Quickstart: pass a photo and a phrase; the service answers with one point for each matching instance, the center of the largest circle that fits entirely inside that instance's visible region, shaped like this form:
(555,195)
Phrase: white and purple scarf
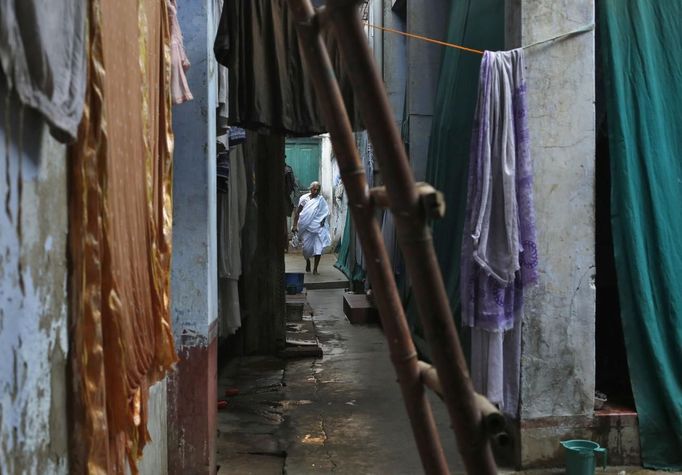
(499,249)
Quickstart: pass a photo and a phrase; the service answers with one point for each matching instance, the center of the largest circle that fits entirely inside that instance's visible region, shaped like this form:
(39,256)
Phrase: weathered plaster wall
(427,18)
(191,387)
(33,274)
(194,272)
(558,359)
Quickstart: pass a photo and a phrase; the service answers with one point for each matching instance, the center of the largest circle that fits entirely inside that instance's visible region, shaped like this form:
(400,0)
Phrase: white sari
(312,234)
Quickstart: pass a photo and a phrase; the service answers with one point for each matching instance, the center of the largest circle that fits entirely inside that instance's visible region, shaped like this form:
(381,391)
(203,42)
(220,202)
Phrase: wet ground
(341,413)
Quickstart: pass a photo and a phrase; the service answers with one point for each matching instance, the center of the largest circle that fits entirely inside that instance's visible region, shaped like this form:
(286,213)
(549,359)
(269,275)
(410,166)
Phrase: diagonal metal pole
(401,346)
(414,238)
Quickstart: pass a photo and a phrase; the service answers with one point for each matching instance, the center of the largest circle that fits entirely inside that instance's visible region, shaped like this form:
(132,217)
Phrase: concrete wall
(33,301)
(191,388)
(194,281)
(155,458)
(427,18)
(558,358)
(394,61)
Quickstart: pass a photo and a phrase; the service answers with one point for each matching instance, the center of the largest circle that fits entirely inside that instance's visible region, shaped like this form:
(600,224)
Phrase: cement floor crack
(321,420)
(323,428)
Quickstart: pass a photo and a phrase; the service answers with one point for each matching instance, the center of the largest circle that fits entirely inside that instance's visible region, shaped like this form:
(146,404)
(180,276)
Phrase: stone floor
(342,413)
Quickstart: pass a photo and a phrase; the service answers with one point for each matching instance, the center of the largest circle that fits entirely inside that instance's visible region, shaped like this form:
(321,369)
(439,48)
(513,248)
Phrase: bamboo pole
(414,238)
(401,347)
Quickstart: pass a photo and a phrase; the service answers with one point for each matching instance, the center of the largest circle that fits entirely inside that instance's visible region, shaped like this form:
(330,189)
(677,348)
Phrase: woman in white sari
(310,221)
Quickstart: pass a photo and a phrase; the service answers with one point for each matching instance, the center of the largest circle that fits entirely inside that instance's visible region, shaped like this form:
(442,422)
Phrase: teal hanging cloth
(641,43)
(346,261)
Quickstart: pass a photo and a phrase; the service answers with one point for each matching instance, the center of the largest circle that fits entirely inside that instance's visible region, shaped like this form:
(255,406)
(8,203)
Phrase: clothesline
(424,38)
(583,29)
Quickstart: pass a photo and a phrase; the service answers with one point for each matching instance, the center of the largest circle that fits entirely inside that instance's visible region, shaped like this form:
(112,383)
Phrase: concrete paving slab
(328,278)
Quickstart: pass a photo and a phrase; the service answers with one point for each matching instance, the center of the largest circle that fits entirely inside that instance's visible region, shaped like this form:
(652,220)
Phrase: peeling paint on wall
(33,317)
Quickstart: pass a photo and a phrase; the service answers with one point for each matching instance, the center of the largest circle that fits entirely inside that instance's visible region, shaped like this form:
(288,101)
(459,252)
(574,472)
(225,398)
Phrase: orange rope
(424,38)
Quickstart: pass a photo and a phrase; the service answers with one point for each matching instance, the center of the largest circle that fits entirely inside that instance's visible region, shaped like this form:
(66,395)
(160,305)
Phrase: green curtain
(480,25)
(641,44)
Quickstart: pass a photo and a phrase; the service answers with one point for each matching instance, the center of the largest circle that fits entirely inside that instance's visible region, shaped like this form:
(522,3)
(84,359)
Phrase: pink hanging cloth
(179,63)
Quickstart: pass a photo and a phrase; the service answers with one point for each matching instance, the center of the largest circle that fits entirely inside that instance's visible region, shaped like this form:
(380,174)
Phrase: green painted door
(303,156)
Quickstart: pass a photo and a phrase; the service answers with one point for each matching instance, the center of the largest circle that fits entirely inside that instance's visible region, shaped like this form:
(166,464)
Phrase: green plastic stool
(580,458)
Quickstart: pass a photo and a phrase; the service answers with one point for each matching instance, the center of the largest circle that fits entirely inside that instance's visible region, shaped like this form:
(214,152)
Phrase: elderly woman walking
(310,221)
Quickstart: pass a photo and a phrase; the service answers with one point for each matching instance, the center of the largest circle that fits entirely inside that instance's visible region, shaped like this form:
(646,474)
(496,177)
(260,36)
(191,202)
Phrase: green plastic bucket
(580,456)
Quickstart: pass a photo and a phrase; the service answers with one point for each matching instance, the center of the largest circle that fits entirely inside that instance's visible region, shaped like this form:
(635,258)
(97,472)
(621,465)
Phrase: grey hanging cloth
(269,84)
(42,55)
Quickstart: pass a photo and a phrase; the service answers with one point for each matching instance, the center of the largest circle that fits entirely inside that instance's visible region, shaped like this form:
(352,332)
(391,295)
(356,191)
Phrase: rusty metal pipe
(401,347)
(414,238)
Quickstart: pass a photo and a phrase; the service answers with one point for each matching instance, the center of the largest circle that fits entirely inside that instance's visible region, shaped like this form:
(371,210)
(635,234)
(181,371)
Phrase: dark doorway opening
(612,374)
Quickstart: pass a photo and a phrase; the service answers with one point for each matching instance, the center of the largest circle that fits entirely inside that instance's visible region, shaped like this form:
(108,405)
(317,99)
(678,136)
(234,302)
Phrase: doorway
(303,156)
(612,372)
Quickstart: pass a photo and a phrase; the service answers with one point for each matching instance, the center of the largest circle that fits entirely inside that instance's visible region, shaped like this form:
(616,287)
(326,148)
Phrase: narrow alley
(340,236)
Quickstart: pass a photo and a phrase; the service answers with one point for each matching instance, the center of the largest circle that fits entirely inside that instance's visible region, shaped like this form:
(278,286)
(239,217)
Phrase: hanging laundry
(269,84)
(237,136)
(42,56)
(231,217)
(231,220)
(499,250)
(222,171)
(179,62)
(222,111)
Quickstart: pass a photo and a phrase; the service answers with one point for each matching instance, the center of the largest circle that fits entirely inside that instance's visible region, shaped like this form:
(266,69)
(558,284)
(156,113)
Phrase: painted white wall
(339,208)
(326,169)
(33,300)
(332,190)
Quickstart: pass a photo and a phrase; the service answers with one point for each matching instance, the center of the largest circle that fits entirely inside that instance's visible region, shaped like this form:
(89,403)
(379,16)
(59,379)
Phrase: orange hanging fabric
(120,215)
